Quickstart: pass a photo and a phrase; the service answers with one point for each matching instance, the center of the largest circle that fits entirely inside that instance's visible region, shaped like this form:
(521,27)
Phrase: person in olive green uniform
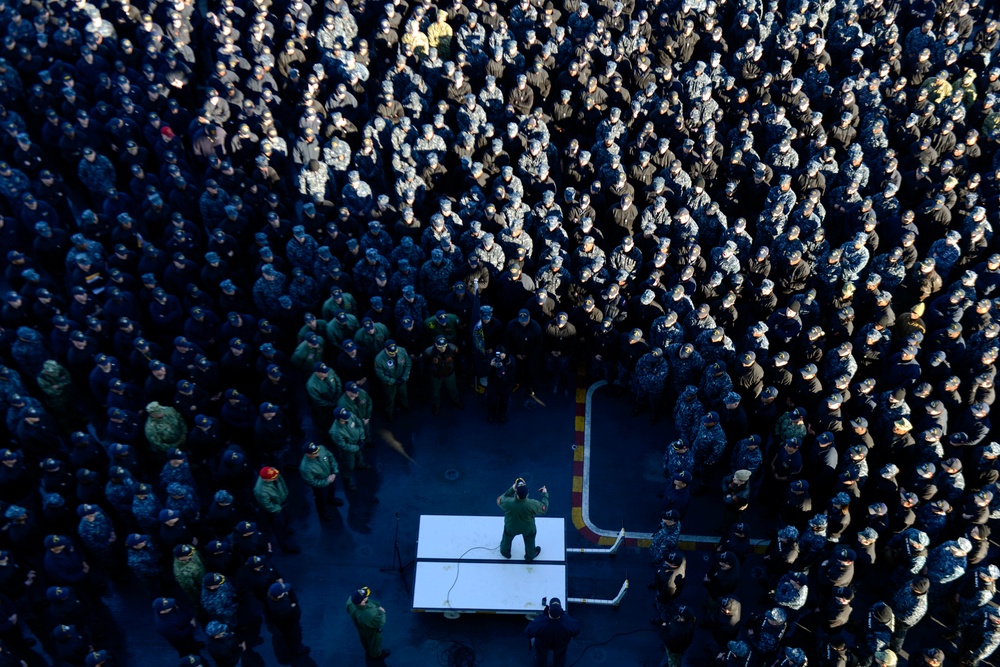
(189,570)
(348,434)
(372,336)
(342,326)
(60,396)
(519,514)
(338,301)
(442,358)
(165,428)
(319,470)
(308,353)
(271,494)
(323,388)
(392,367)
(443,324)
(358,402)
(311,326)
(369,619)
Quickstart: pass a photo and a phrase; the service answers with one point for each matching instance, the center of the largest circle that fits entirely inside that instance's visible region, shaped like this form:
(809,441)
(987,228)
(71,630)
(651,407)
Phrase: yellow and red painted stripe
(583,417)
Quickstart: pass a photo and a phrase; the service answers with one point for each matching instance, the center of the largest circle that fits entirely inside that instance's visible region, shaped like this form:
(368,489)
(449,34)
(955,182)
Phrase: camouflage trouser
(671,659)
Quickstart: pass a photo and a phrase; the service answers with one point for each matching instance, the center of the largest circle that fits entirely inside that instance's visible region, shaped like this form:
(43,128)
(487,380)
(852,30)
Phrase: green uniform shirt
(316,471)
(165,429)
(449,329)
(786,428)
(306,356)
(348,435)
(519,515)
(374,341)
(331,307)
(54,381)
(360,407)
(369,619)
(991,125)
(323,394)
(188,575)
(320,330)
(936,92)
(393,370)
(338,333)
(271,496)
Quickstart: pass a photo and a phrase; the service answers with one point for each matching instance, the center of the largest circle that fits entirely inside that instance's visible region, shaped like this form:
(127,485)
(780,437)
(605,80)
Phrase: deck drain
(451,474)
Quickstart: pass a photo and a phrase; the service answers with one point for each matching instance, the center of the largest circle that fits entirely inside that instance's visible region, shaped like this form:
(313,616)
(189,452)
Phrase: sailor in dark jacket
(175,625)
(677,633)
(552,631)
(283,613)
(669,583)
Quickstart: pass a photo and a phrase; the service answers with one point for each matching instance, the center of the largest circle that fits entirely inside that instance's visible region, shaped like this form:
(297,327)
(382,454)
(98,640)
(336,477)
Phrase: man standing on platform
(519,518)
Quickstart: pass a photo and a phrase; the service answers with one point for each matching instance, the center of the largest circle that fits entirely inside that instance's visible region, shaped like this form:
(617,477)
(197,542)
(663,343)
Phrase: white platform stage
(459,568)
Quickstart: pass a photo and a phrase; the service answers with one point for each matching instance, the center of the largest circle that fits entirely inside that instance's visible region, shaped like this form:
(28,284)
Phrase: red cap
(167,132)
(269,474)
